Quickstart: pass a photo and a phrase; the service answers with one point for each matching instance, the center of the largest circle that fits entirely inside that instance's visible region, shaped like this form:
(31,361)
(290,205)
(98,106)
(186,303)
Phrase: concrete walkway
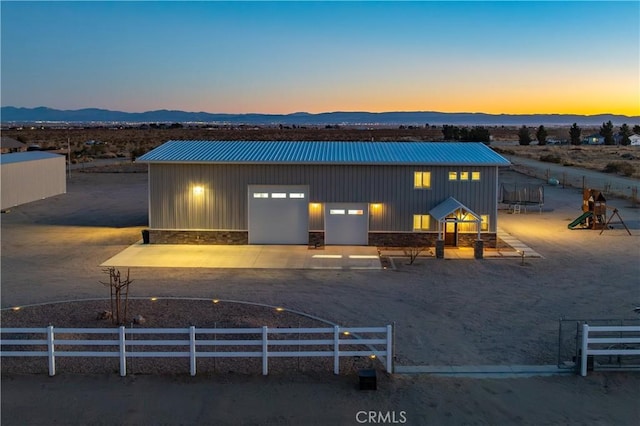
(246,257)
(517,245)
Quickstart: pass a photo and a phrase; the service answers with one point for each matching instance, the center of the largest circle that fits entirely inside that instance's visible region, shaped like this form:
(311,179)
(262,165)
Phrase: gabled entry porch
(449,214)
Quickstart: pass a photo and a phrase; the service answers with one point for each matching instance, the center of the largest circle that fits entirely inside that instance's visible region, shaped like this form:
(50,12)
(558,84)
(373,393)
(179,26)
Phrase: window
(484,227)
(422,180)
(464,175)
(260,195)
(421,222)
(296,195)
(472,227)
(453,175)
(278,195)
(475,175)
(336,211)
(356,212)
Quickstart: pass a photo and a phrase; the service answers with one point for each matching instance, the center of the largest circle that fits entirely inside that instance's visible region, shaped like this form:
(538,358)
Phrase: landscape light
(198,190)
(279,309)
(215,300)
(16,308)
(372,356)
(153,299)
(346,333)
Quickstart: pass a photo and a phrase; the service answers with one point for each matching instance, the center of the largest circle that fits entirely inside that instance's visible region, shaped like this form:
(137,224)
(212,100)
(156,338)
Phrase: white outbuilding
(30,176)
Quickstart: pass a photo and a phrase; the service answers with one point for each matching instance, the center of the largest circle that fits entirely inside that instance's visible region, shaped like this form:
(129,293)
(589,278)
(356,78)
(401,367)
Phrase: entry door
(278,214)
(451,233)
(346,224)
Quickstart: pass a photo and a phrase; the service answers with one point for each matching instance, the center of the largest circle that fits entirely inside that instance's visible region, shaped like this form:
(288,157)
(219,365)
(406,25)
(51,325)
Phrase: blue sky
(283,57)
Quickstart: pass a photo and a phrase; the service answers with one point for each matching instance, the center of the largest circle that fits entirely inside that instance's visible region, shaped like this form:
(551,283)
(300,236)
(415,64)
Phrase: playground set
(594,212)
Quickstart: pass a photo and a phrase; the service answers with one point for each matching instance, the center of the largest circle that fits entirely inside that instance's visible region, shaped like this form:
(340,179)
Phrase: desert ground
(446,312)
(125,142)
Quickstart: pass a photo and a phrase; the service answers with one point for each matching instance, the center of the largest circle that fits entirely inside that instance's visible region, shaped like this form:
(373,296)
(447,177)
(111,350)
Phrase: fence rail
(626,343)
(202,343)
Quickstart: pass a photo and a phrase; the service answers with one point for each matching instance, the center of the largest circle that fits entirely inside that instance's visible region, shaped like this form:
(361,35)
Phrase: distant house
(635,140)
(11,145)
(31,176)
(594,139)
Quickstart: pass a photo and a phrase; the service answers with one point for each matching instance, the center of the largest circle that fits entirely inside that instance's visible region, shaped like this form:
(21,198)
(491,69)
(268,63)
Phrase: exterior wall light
(198,190)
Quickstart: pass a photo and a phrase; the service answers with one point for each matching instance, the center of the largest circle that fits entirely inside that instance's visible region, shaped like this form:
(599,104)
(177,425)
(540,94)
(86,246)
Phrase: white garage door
(346,224)
(278,214)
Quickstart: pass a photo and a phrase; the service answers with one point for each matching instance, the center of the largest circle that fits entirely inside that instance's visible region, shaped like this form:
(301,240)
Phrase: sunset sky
(284,57)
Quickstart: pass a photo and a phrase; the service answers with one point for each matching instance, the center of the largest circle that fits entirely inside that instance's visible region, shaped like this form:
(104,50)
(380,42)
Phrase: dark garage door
(346,224)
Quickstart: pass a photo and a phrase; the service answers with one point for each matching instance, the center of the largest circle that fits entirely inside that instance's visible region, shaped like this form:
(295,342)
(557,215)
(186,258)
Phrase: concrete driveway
(246,256)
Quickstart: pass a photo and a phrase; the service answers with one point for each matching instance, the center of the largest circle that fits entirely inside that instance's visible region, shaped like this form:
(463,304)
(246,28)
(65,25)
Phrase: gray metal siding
(224,202)
(27,181)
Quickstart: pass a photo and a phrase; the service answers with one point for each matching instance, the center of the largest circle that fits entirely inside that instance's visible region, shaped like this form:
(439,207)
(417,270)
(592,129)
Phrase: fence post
(51,350)
(265,356)
(583,355)
(192,349)
(336,350)
(123,359)
(389,349)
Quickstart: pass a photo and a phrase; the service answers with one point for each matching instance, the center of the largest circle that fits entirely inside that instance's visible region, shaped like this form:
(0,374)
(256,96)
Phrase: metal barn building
(31,176)
(333,193)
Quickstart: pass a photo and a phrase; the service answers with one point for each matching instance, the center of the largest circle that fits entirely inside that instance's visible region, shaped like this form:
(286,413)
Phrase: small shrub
(620,167)
(551,158)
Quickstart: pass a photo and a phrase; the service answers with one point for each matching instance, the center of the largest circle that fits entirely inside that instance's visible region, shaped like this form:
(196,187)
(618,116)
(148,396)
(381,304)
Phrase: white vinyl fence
(627,342)
(194,343)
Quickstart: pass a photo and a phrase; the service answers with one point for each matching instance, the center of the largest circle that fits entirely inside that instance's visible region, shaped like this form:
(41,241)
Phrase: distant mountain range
(10,114)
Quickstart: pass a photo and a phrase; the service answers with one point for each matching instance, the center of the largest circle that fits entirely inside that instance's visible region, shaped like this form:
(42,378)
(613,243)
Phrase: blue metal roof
(19,157)
(323,152)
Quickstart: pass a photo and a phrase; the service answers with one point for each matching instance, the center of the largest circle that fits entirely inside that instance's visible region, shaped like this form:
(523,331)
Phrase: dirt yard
(622,160)
(447,312)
